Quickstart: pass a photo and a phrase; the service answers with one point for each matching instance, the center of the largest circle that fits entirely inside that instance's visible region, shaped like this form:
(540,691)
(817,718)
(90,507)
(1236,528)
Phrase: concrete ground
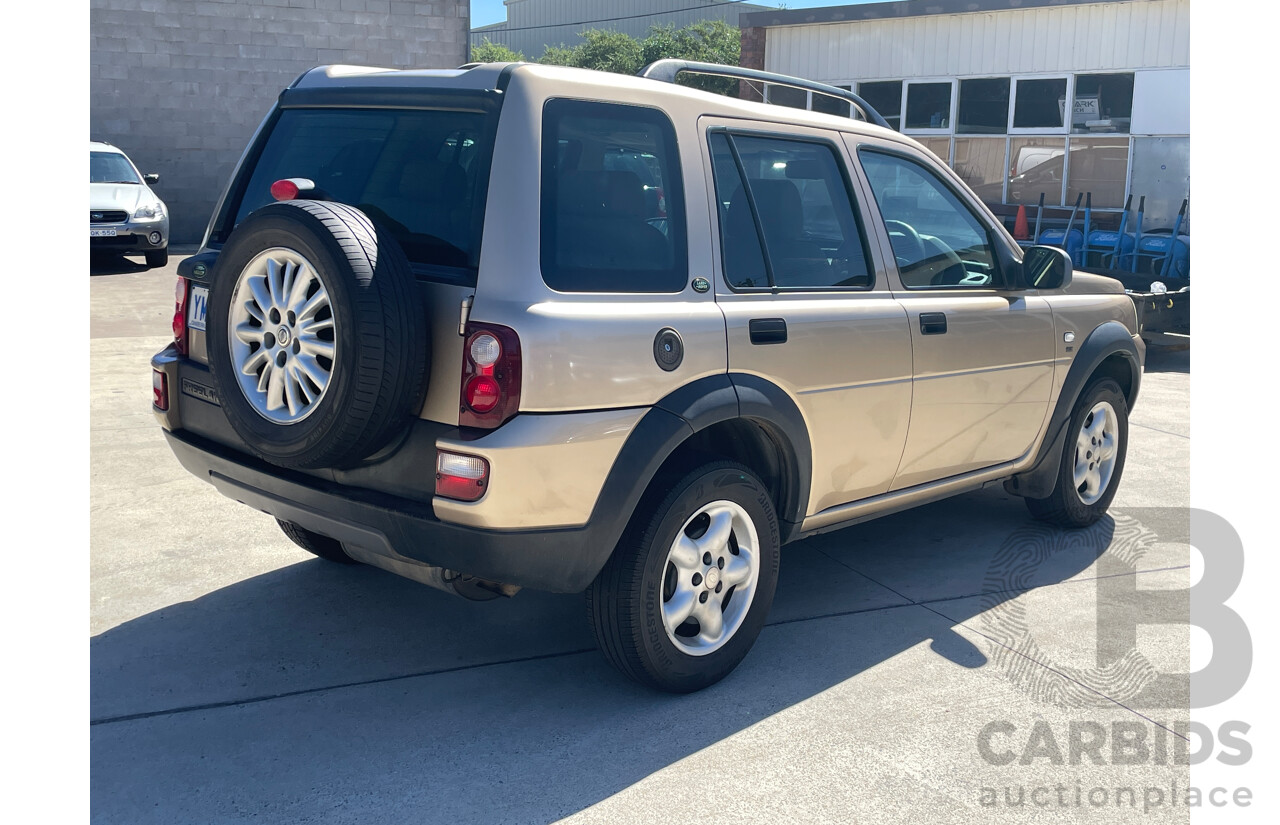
(236,678)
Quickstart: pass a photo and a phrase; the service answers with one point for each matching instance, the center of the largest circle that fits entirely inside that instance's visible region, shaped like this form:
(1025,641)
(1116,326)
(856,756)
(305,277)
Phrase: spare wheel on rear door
(317,336)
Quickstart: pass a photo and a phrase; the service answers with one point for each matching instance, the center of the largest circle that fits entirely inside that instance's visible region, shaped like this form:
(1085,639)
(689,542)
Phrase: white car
(125,216)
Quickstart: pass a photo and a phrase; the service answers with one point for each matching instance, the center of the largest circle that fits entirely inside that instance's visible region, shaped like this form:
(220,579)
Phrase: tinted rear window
(421,174)
(612,200)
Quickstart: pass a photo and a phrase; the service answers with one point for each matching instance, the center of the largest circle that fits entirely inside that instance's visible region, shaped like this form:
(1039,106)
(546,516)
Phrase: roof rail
(667,70)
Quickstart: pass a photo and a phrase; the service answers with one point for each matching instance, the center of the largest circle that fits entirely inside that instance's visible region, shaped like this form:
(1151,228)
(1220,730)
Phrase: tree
(490,52)
(708,41)
(609,51)
(559,56)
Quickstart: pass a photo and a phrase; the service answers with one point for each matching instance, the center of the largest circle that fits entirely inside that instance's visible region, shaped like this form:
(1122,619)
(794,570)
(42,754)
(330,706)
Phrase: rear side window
(422,174)
(612,200)
(797,196)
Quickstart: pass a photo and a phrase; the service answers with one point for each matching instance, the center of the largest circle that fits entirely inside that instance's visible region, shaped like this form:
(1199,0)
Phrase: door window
(936,238)
(795,194)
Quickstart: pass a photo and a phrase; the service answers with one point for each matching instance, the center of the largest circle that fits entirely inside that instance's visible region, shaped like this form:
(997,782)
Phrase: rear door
(983,353)
(806,300)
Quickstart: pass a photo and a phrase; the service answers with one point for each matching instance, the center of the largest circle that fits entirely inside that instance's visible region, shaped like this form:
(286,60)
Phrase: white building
(533,25)
(1019,96)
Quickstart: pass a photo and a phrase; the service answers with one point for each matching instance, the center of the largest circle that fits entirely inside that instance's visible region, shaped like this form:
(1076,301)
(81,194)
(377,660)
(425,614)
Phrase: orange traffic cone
(1020,230)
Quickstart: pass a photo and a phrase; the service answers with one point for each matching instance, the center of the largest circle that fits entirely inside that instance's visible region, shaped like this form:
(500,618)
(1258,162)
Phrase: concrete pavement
(235,678)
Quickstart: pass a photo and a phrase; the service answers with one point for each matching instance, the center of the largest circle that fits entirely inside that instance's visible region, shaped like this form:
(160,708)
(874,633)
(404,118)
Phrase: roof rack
(667,70)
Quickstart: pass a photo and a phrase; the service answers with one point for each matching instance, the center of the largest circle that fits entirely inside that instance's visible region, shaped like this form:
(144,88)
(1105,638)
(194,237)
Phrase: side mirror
(151,178)
(1045,267)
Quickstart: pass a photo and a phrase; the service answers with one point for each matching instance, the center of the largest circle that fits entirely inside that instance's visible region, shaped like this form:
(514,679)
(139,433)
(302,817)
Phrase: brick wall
(180,85)
(752,58)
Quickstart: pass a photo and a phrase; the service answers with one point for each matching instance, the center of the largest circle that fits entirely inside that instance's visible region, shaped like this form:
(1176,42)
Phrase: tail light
(180,316)
(159,390)
(462,477)
(490,376)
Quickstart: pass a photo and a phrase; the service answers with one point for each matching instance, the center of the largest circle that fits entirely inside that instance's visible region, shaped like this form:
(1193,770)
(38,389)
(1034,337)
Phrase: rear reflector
(180,315)
(461,477)
(159,390)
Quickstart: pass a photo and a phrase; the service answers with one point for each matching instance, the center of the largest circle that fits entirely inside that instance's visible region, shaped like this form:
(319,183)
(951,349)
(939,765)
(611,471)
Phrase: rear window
(612,201)
(421,174)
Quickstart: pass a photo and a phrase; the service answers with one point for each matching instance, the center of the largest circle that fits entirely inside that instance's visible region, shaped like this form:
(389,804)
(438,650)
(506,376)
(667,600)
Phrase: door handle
(933,323)
(768,330)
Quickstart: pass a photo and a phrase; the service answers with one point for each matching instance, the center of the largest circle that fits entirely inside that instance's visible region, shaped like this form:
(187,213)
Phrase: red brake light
(284,190)
(180,315)
(483,393)
(490,376)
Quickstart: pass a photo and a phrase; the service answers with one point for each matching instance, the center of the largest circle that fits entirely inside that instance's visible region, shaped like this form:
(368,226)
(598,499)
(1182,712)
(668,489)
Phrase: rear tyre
(316,544)
(688,588)
(158,257)
(317,335)
(1092,459)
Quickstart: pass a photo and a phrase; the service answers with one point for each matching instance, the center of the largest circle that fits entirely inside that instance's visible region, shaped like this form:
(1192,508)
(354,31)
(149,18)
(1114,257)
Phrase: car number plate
(199,304)
(102,233)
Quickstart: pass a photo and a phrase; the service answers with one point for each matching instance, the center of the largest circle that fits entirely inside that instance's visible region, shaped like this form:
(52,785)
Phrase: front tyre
(1092,459)
(688,589)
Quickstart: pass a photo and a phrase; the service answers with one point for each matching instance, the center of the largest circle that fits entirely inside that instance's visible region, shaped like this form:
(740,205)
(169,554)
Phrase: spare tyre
(317,336)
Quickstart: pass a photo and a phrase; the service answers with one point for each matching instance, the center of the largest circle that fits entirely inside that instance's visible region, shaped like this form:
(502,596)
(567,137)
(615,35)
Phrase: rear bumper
(560,560)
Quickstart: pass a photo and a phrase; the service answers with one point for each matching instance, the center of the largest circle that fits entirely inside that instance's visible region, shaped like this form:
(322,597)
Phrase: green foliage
(609,51)
(490,52)
(559,56)
(710,41)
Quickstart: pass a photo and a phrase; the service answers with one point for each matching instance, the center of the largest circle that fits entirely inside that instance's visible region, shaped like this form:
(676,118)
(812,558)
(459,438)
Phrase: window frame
(1000,252)
(947,130)
(1042,131)
(675,170)
(846,175)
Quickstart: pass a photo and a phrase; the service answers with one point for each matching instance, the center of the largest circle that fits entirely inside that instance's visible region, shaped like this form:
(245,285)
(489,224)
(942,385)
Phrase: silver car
(125,216)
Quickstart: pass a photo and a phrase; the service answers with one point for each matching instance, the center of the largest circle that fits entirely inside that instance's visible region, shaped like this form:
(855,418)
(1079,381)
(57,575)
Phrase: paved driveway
(236,678)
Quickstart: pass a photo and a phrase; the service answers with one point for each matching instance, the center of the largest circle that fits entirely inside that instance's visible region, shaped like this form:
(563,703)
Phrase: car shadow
(114,265)
(1168,359)
(325,667)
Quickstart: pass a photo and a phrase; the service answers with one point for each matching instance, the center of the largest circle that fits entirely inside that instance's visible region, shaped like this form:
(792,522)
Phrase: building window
(980,163)
(787,96)
(832,105)
(1040,104)
(984,106)
(929,105)
(1103,103)
(939,146)
(1100,166)
(885,96)
(1035,167)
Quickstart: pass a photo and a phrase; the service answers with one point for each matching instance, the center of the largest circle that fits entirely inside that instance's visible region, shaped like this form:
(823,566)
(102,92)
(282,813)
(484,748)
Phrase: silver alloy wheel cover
(275,335)
(734,573)
(1097,447)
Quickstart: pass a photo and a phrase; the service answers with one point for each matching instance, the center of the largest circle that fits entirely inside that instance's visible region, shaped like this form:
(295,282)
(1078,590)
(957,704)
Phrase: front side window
(612,199)
(793,192)
(936,238)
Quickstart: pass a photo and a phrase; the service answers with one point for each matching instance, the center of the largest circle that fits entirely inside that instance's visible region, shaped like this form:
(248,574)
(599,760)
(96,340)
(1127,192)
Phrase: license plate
(102,233)
(199,304)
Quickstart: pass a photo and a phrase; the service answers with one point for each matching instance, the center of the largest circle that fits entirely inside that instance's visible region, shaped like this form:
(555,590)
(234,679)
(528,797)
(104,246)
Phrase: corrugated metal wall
(545,21)
(1141,34)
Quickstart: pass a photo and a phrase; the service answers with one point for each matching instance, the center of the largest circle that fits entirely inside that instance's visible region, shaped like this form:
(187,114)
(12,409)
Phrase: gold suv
(530,326)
